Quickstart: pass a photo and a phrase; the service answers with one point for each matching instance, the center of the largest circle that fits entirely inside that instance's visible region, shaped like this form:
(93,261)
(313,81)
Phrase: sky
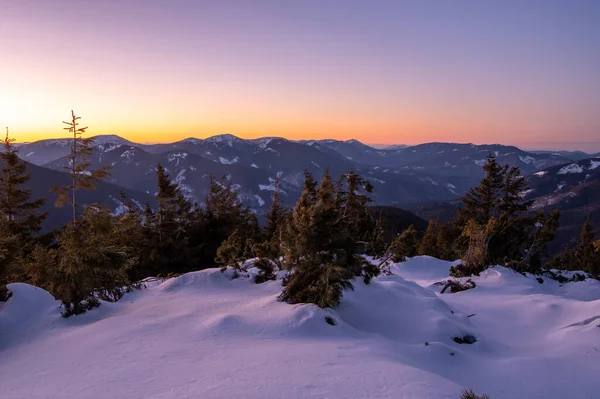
(512,72)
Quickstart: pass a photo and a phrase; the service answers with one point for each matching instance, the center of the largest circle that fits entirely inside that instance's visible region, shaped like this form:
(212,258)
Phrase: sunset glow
(380,72)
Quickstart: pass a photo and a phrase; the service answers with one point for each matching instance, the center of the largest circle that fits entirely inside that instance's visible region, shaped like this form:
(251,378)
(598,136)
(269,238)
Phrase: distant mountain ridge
(425,172)
(420,174)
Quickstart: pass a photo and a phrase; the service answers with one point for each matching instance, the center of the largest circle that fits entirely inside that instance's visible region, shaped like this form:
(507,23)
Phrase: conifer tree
(275,214)
(480,202)
(223,212)
(476,258)
(89,263)
(435,242)
(377,243)
(586,257)
(405,245)
(316,258)
(168,229)
(269,250)
(544,231)
(239,246)
(513,186)
(355,222)
(82,177)
(20,219)
(132,233)
(17,211)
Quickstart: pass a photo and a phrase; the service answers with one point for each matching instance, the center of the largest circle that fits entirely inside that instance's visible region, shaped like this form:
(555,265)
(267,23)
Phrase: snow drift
(203,335)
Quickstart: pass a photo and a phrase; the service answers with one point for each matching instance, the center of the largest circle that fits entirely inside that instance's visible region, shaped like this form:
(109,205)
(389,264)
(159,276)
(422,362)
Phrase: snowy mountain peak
(226,139)
(192,140)
(110,139)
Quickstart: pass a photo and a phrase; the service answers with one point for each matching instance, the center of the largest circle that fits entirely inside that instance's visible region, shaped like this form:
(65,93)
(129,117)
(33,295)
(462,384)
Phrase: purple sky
(515,72)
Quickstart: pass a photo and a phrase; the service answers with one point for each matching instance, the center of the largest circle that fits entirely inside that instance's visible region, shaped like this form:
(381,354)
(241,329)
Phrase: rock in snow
(203,335)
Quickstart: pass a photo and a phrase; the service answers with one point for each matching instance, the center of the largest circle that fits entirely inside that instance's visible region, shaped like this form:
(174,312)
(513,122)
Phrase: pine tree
(133,235)
(16,210)
(89,263)
(223,212)
(316,258)
(437,241)
(543,231)
(355,222)
(269,250)
(275,214)
(377,242)
(20,219)
(405,245)
(167,229)
(239,246)
(480,202)
(296,237)
(82,177)
(513,186)
(476,258)
(586,256)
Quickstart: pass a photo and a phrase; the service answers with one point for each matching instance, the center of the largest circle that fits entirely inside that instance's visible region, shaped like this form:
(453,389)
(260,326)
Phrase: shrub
(470,394)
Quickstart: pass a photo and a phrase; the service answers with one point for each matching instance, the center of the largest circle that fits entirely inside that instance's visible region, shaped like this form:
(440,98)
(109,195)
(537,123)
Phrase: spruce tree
(377,242)
(479,203)
(512,188)
(269,251)
(586,257)
(239,246)
(405,245)
(91,261)
(20,219)
(543,231)
(223,212)
(132,234)
(17,211)
(82,177)
(275,214)
(355,222)
(438,241)
(168,229)
(312,250)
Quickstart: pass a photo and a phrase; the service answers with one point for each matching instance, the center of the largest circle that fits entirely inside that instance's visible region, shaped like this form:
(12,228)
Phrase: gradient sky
(521,72)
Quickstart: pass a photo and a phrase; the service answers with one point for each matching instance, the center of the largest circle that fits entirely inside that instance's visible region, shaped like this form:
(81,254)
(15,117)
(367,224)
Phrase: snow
(254,165)
(540,173)
(107,147)
(227,139)
(193,141)
(594,164)
(128,155)
(177,157)
(572,168)
(261,201)
(202,335)
(30,154)
(226,161)
(479,162)
(270,187)
(187,191)
(526,159)
(263,142)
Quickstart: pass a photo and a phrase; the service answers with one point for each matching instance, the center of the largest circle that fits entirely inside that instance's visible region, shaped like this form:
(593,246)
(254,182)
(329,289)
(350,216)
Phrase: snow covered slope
(202,335)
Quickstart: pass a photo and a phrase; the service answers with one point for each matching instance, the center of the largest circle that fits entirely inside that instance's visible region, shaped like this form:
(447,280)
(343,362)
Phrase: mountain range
(426,178)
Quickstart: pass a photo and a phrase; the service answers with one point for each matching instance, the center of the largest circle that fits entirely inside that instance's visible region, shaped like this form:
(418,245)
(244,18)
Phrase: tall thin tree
(79,166)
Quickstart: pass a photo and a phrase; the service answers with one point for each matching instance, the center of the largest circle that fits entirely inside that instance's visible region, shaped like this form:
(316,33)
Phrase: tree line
(319,243)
